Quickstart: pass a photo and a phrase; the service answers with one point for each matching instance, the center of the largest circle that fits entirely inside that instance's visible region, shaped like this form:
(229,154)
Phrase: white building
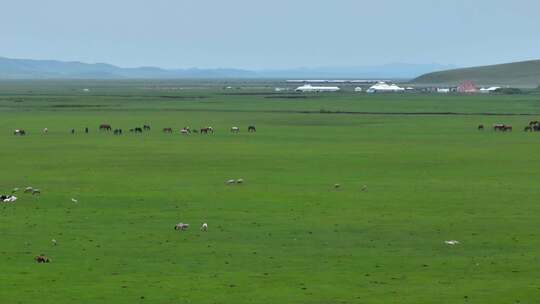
(489,90)
(309,88)
(383,87)
(443,90)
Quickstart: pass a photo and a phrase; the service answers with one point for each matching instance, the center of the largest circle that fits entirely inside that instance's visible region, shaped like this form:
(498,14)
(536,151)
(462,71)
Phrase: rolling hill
(53,69)
(518,74)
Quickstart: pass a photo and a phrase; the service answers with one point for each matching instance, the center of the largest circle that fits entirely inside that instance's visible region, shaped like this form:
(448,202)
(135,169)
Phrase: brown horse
(167,130)
(499,127)
(42,259)
(207,130)
(105,127)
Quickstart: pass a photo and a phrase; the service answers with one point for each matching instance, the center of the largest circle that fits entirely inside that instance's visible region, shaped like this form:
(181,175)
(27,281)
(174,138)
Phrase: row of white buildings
(379,87)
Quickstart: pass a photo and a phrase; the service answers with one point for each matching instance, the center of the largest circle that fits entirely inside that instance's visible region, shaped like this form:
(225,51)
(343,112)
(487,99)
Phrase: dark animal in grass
(252,129)
(19,132)
(72,131)
(507,128)
(167,130)
(138,130)
(528,129)
(117,132)
(86,130)
(146,127)
(105,127)
(480,127)
(42,259)
(205,131)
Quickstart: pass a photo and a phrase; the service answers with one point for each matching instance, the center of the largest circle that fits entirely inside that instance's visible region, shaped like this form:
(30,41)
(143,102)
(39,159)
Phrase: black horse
(252,129)
(146,127)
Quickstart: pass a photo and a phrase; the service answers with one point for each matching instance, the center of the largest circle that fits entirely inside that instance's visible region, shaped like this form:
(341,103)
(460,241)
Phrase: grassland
(285,236)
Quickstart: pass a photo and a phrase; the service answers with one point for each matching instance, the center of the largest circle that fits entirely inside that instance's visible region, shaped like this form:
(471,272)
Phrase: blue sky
(258,34)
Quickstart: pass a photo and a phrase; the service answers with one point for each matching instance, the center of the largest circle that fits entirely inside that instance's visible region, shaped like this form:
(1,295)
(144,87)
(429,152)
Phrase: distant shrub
(509,91)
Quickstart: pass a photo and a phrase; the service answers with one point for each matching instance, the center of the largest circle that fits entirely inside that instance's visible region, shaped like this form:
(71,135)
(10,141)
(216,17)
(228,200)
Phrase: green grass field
(286,235)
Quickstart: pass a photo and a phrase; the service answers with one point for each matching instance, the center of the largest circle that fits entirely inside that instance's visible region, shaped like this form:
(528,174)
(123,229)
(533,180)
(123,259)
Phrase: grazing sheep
(204,227)
(8,198)
(181,226)
(231,182)
(451,242)
(36,191)
(240,181)
(28,189)
(54,242)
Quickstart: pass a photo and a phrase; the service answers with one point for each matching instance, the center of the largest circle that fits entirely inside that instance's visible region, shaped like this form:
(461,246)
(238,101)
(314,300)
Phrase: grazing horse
(181,227)
(19,132)
(138,130)
(252,129)
(207,130)
(117,132)
(42,259)
(167,130)
(480,127)
(146,127)
(185,131)
(235,129)
(507,128)
(105,127)
(528,129)
(499,127)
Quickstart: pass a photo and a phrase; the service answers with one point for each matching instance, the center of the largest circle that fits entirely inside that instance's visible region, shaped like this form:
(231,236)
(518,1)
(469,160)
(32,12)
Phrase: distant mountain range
(53,69)
(518,74)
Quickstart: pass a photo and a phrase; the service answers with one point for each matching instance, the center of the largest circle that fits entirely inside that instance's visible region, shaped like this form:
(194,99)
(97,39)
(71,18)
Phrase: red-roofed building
(467,87)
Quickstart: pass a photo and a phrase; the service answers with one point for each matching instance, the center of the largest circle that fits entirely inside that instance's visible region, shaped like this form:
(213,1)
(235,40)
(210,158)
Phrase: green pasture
(286,235)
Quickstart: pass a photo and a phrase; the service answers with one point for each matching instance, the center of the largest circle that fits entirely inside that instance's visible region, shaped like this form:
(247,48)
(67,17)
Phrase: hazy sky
(271,34)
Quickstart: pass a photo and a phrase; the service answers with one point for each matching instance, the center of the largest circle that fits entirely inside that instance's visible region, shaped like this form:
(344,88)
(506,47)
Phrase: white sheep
(451,242)
(204,227)
(231,182)
(240,181)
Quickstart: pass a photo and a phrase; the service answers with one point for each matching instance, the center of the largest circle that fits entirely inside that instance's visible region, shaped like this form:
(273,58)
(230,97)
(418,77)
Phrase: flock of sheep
(11,198)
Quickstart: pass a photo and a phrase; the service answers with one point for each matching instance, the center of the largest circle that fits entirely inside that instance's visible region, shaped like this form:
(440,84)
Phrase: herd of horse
(139,130)
(533,126)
